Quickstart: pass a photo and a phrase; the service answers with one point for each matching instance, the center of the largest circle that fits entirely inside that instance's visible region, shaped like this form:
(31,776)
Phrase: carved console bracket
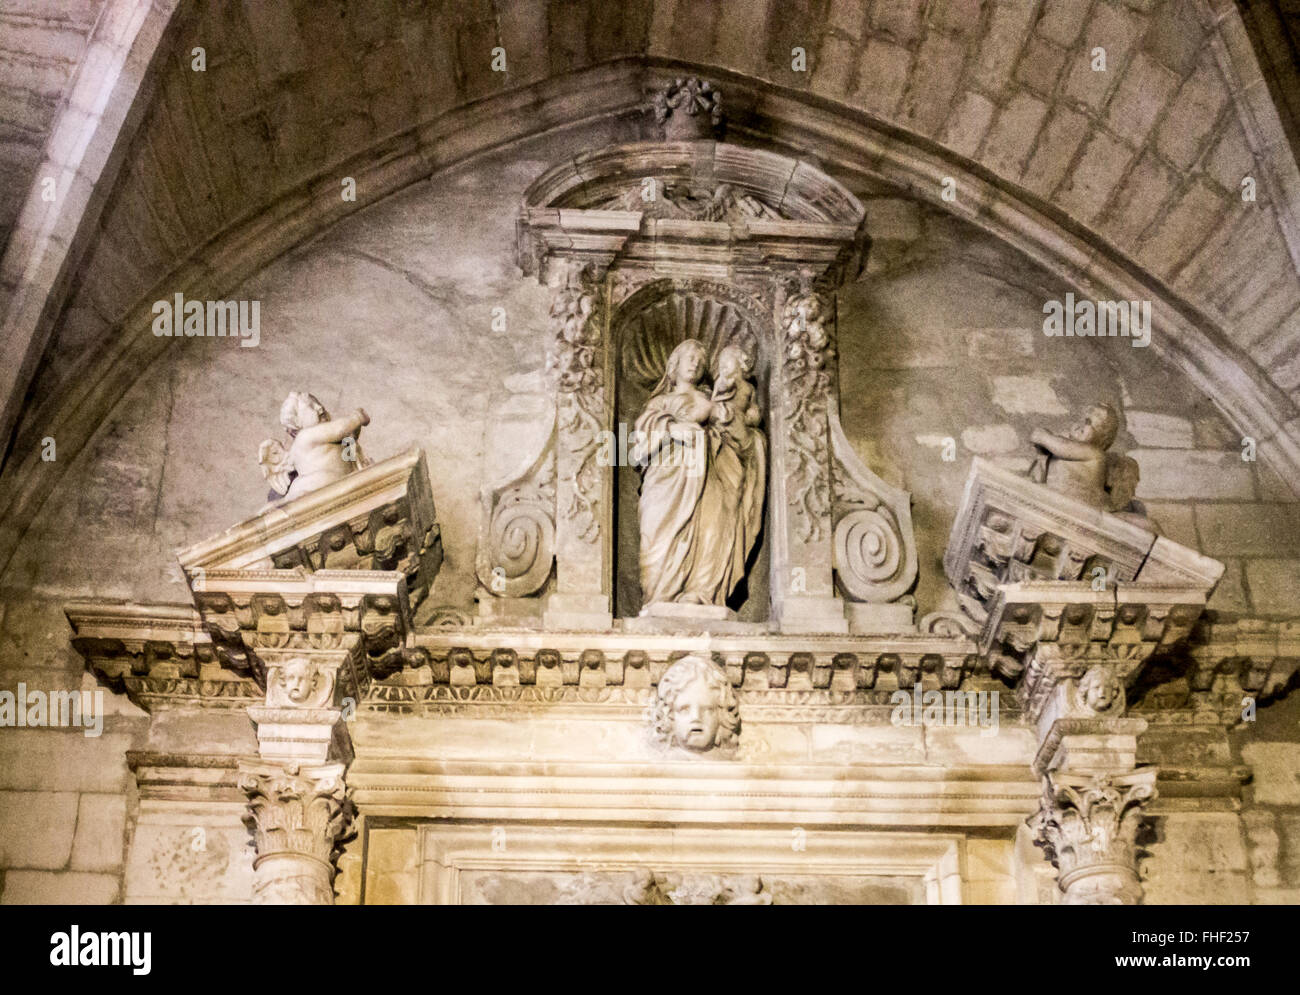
(259,618)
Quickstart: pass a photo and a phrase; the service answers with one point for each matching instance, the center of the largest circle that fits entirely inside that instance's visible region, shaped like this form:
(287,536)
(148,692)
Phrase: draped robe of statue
(730,514)
(674,480)
(702,494)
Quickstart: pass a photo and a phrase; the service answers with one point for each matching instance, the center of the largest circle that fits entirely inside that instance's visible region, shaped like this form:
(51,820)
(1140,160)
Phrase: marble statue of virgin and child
(704,464)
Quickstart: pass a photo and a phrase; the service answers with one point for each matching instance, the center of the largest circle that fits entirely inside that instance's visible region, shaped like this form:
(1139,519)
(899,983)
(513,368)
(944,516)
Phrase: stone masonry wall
(391,310)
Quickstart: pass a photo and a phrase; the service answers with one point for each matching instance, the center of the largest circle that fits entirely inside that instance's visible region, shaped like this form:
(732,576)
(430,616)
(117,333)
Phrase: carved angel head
(734,363)
(298,680)
(1099,427)
(695,706)
(1101,690)
(301,410)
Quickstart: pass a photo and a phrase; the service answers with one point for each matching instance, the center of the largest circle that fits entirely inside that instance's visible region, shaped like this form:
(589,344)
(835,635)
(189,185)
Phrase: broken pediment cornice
(157,654)
(678,205)
(380,518)
(1010,529)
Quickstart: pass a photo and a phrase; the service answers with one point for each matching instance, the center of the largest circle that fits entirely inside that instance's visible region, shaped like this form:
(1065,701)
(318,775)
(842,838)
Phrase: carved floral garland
(576,362)
(808,352)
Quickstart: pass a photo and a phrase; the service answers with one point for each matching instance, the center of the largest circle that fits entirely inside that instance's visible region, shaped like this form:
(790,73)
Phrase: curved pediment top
(696,181)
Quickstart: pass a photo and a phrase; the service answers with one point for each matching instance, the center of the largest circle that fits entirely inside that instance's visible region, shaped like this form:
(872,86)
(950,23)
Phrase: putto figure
(320,451)
(695,707)
(1079,465)
(1076,463)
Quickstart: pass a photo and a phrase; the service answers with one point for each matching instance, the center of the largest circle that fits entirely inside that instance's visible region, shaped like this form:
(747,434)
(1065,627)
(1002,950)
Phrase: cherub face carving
(1099,427)
(695,707)
(1101,691)
(695,715)
(298,680)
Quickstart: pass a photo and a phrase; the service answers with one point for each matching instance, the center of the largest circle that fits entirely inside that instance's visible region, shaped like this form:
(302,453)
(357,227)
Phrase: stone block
(1150,428)
(59,888)
(1276,770)
(1059,142)
(985,440)
(1096,175)
(882,77)
(1175,521)
(1013,134)
(1192,115)
(101,828)
(968,123)
(55,760)
(1114,29)
(1040,66)
(36,828)
(1230,595)
(189,853)
(1274,585)
(1249,529)
(933,84)
(1027,395)
(1062,20)
(1143,93)
(898,19)
(1197,213)
(1139,200)
(1009,25)
(1193,473)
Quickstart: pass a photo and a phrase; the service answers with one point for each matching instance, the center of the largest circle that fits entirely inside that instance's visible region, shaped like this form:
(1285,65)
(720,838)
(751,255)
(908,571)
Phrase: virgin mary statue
(704,464)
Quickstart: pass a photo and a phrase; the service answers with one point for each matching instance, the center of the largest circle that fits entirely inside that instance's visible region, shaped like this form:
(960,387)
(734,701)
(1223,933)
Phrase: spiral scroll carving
(867,551)
(522,541)
(517,534)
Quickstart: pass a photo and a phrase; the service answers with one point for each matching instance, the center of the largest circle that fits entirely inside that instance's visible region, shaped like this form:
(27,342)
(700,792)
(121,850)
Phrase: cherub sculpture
(320,450)
(1078,464)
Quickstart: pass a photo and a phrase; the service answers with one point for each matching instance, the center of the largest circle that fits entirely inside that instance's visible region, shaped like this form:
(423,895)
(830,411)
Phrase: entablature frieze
(162,656)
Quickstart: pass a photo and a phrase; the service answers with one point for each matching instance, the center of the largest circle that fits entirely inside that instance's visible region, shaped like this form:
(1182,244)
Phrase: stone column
(298,815)
(803,591)
(298,809)
(1088,825)
(1094,795)
(579,364)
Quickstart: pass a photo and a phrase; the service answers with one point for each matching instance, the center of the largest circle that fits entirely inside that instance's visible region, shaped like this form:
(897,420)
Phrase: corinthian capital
(298,817)
(1088,825)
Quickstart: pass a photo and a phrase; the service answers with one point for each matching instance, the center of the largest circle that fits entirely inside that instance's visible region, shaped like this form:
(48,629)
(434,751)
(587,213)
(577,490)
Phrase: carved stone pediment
(1010,529)
(379,518)
(673,207)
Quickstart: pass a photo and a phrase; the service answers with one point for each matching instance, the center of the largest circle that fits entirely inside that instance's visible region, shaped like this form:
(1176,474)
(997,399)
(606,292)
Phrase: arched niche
(645,329)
